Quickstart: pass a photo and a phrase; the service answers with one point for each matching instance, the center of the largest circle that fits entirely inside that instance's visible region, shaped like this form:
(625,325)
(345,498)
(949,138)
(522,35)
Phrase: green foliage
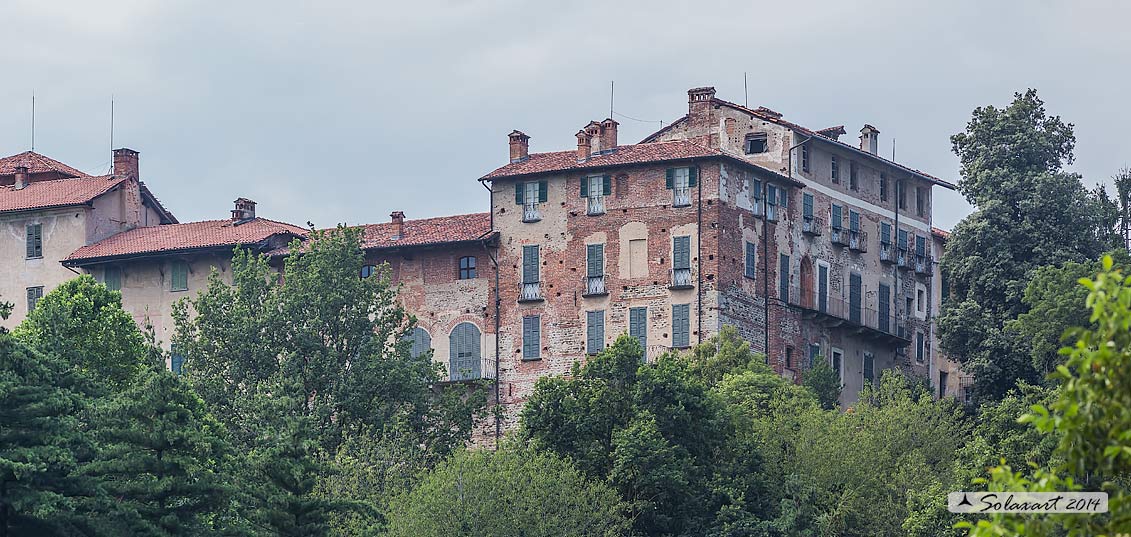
(83,324)
(824,382)
(509,492)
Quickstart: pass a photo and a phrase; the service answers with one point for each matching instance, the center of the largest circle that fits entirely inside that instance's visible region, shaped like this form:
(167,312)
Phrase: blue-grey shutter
(543,191)
(112,278)
(606,185)
(530,264)
(758,189)
(807,205)
(822,288)
(638,326)
(519,191)
(531,337)
(692,176)
(671,178)
(771,194)
(176,359)
(34,233)
(681,252)
(884,308)
(837,217)
(885,233)
(595,260)
(854,298)
(594,331)
(854,220)
(920,246)
(902,239)
(421,342)
(179,279)
(783,197)
(783,277)
(869,366)
(465,352)
(681,325)
(751,260)
(585,187)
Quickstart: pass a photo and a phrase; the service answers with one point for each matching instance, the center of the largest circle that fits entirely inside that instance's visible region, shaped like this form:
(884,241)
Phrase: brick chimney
(245,210)
(583,145)
(21,178)
(593,129)
(520,146)
(608,135)
(699,98)
(398,224)
(125,163)
(870,139)
(701,117)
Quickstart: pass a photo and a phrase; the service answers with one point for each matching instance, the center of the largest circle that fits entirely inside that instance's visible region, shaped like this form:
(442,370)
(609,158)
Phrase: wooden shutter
(34,235)
(885,233)
(854,296)
(783,277)
(179,279)
(543,191)
(902,239)
(783,197)
(681,325)
(681,252)
(822,288)
(607,185)
(585,187)
(638,326)
(594,331)
(530,264)
(465,352)
(595,260)
(771,194)
(692,176)
(807,205)
(854,220)
(869,366)
(531,337)
(920,246)
(671,178)
(519,190)
(884,308)
(758,189)
(751,259)
(837,217)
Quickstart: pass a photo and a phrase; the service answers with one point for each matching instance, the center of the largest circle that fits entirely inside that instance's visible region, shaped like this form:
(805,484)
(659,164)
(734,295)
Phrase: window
(638,326)
(883,308)
(814,353)
(837,363)
(531,337)
(531,287)
(920,202)
(852,183)
(883,187)
(595,269)
(920,246)
(885,233)
(855,298)
(902,234)
(869,368)
(807,205)
(467,268)
(421,342)
(368,270)
(34,240)
(920,301)
(789,357)
(176,360)
(771,202)
(920,347)
(681,261)
(822,287)
(942,384)
(805,158)
(756,189)
(33,296)
(680,181)
(681,325)
(755,143)
(899,193)
(853,221)
(529,195)
(179,276)
(594,331)
(465,353)
(834,170)
(837,216)
(112,277)
(751,260)
(783,277)
(595,188)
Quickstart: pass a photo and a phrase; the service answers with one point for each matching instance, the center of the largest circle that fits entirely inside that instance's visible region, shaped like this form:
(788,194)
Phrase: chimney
(608,135)
(520,146)
(699,98)
(125,163)
(583,141)
(593,129)
(21,177)
(870,139)
(245,210)
(398,224)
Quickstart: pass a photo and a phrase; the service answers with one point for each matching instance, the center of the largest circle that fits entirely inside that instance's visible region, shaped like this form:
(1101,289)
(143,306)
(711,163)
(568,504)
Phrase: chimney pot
(398,224)
(609,134)
(870,139)
(125,163)
(21,178)
(245,210)
(583,144)
(520,146)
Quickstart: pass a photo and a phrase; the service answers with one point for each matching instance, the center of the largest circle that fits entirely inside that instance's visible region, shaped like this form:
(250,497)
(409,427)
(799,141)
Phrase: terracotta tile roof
(940,233)
(180,237)
(36,163)
(426,231)
(56,193)
(623,155)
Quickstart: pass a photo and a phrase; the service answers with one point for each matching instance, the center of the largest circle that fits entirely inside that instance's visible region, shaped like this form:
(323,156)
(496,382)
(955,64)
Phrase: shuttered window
(682,177)
(869,367)
(837,217)
(852,175)
(883,187)
(920,246)
(920,347)
(783,277)
(884,308)
(814,353)
(466,360)
(33,296)
(855,294)
(807,205)
(853,220)
(771,194)
(34,240)
(681,325)
(835,170)
(885,233)
(783,197)
(902,234)
(596,185)
(112,277)
(176,360)
(531,192)
(822,288)
(530,264)
(595,260)
(421,342)
(638,326)
(594,331)
(751,260)
(681,252)
(179,276)
(531,337)
(757,190)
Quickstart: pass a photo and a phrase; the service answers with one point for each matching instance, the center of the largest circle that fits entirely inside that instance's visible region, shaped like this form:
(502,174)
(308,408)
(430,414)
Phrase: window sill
(178,290)
(33,258)
(595,214)
(681,287)
(594,295)
(531,300)
(531,359)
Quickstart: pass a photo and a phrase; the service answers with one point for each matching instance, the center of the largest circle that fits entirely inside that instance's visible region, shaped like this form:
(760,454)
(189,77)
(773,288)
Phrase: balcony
(594,286)
(923,264)
(530,213)
(595,206)
(887,255)
(680,279)
(838,236)
(757,207)
(863,322)
(902,258)
(468,369)
(812,225)
(858,240)
(772,213)
(530,292)
(681,196)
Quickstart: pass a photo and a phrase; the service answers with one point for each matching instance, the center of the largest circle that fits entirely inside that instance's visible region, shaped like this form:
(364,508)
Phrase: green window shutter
(179,279)
(885,233)
(807,205)
(421,342)
(681,325)
(530,264)
(607,185)
(681,252)
(112,278)
(783,277)
(837,217)
(783,197)
(585,187)
(771,194)
(34,235)
(594,331)
(595,259)
(751,260)
(883,309)
(531,337)
(671,178)
(543,191)
(692,176)
(30,238)
(638,326)
(854,297)
(758,189)
(902,234)
(920,246)
(854,220)
(519,188)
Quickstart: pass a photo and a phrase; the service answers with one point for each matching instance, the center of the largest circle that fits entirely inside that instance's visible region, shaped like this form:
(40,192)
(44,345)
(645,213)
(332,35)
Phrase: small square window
(34,240)
(33,296)
(368,270)
(467,268)
(755,143)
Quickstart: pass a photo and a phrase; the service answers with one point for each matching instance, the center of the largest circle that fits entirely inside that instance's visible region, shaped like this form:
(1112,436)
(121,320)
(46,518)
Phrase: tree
(824,382)
(83,324)
(1030,213)
(513,491)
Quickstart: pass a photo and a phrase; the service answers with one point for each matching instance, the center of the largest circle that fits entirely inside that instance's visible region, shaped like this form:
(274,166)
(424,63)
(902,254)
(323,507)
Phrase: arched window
(368,270)
(421,341)
(466,358)
(467,268)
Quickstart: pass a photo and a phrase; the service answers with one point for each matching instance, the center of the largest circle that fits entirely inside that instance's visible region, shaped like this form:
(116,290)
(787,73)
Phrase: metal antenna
(33,121)
(745,91)
(893,149)
(611,84)
(111,133)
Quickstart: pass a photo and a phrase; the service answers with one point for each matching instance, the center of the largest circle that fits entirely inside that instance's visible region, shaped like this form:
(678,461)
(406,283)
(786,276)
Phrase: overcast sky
(350,110)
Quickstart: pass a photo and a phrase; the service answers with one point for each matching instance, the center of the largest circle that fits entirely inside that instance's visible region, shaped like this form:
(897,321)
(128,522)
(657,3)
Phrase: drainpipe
(498,321)
(789,160)
(699,257)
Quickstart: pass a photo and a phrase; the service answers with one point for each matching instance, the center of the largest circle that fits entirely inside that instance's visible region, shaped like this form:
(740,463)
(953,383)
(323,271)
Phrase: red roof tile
(179,237)
(36,163)
(426,231)
(623,155)
(56,193)
(940,233)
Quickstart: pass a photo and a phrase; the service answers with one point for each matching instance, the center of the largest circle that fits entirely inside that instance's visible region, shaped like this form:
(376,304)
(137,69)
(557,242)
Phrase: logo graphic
(1027,502)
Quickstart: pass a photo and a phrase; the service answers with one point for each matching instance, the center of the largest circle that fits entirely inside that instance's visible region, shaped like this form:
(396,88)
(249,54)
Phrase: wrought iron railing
(838,236)
(681,196)
(595,285)
(463,371)
(680,278)
(530,212)
(923,264)
(596,205)
(858,240)
(529,291)
(887,254)
(812,225)
(880,320)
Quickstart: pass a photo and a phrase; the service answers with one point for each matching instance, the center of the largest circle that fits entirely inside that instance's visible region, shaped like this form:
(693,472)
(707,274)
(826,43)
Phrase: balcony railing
(923,264)
(595,286)
(812,225)
(902,258)
(838,236)
(757,207)
(681,279)
(858,240)
(596,205)
(530,212)
(887,254)
(530,292)
(468,369)
(772,213)
(839,310)
(681,196)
